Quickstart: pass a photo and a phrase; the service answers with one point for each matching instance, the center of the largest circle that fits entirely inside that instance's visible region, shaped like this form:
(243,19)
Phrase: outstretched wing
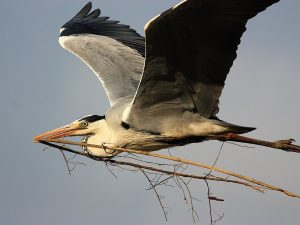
(189,51)
(114,51)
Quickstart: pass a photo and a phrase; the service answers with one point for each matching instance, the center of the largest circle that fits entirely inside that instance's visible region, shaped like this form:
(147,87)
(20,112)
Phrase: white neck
(102,135)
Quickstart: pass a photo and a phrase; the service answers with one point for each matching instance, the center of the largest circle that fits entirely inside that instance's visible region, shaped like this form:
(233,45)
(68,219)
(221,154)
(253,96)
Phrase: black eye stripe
(92,118)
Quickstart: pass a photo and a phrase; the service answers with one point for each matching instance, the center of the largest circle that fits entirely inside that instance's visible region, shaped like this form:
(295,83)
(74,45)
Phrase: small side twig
(157,195)
(189,162)
(217,158)
(66,161)
(209,202)
(190,200)
(149,168)
(160,179)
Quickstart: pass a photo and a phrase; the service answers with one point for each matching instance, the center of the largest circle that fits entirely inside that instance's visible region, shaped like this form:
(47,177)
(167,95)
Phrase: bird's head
(86,126)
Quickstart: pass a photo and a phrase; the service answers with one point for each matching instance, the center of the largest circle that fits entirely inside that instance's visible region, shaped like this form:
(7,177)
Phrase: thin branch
(157,195)
(217,158)
(220,217)
(66,161)
(239,145)
(217,179)
(189,175)
(109,170)
(209,202)
(191,200)
(162,182)
(47,142)
(176,159)
(160,174)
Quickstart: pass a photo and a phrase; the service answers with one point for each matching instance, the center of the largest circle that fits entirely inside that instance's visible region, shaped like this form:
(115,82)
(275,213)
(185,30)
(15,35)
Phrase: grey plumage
(190,77)
(171,97)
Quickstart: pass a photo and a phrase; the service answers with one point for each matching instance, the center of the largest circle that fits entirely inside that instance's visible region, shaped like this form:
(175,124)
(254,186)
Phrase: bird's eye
(84,124)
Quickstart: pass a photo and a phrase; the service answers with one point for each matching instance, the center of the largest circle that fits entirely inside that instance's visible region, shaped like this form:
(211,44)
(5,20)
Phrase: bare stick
(172,173)
(217,159)
(66,161)
(176,159)
(157,195)
(209,202)
(190,199)
(46,142)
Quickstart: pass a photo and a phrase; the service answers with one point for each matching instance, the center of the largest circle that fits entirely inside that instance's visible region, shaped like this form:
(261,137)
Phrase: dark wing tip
(94,14)
(84,11)
(84,15)
(87,22)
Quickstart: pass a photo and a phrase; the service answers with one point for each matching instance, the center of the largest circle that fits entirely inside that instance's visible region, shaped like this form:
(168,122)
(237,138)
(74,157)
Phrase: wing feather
(114,51)
(189,52)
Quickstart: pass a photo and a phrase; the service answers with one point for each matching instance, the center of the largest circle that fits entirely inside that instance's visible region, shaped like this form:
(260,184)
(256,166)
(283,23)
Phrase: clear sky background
(43,86)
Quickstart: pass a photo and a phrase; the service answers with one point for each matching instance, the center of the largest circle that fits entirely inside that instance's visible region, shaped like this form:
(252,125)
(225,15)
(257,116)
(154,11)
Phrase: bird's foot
(287,145)
(285,142)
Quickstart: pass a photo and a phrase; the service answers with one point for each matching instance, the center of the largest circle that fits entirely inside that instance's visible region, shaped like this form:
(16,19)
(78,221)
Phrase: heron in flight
(164,89)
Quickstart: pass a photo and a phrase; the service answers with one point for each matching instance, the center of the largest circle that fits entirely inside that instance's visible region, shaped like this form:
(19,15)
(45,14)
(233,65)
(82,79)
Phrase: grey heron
(164,89)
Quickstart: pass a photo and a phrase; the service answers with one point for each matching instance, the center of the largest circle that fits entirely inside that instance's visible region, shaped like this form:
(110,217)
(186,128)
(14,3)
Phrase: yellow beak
(68,130)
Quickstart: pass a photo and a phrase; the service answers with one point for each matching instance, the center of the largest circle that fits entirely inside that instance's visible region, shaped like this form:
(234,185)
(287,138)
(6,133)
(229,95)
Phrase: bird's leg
(285,145)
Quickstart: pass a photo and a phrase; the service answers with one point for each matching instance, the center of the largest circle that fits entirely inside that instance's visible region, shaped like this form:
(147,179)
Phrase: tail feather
(240,129)
(232,128)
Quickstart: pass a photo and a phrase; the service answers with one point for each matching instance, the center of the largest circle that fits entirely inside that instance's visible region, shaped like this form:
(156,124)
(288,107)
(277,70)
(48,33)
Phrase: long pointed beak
(60,132)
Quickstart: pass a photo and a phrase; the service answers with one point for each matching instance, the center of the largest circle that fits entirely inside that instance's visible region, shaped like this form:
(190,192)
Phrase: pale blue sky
(43,86)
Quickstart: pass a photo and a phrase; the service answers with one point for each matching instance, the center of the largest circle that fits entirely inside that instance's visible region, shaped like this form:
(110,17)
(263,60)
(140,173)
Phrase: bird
(163,88)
